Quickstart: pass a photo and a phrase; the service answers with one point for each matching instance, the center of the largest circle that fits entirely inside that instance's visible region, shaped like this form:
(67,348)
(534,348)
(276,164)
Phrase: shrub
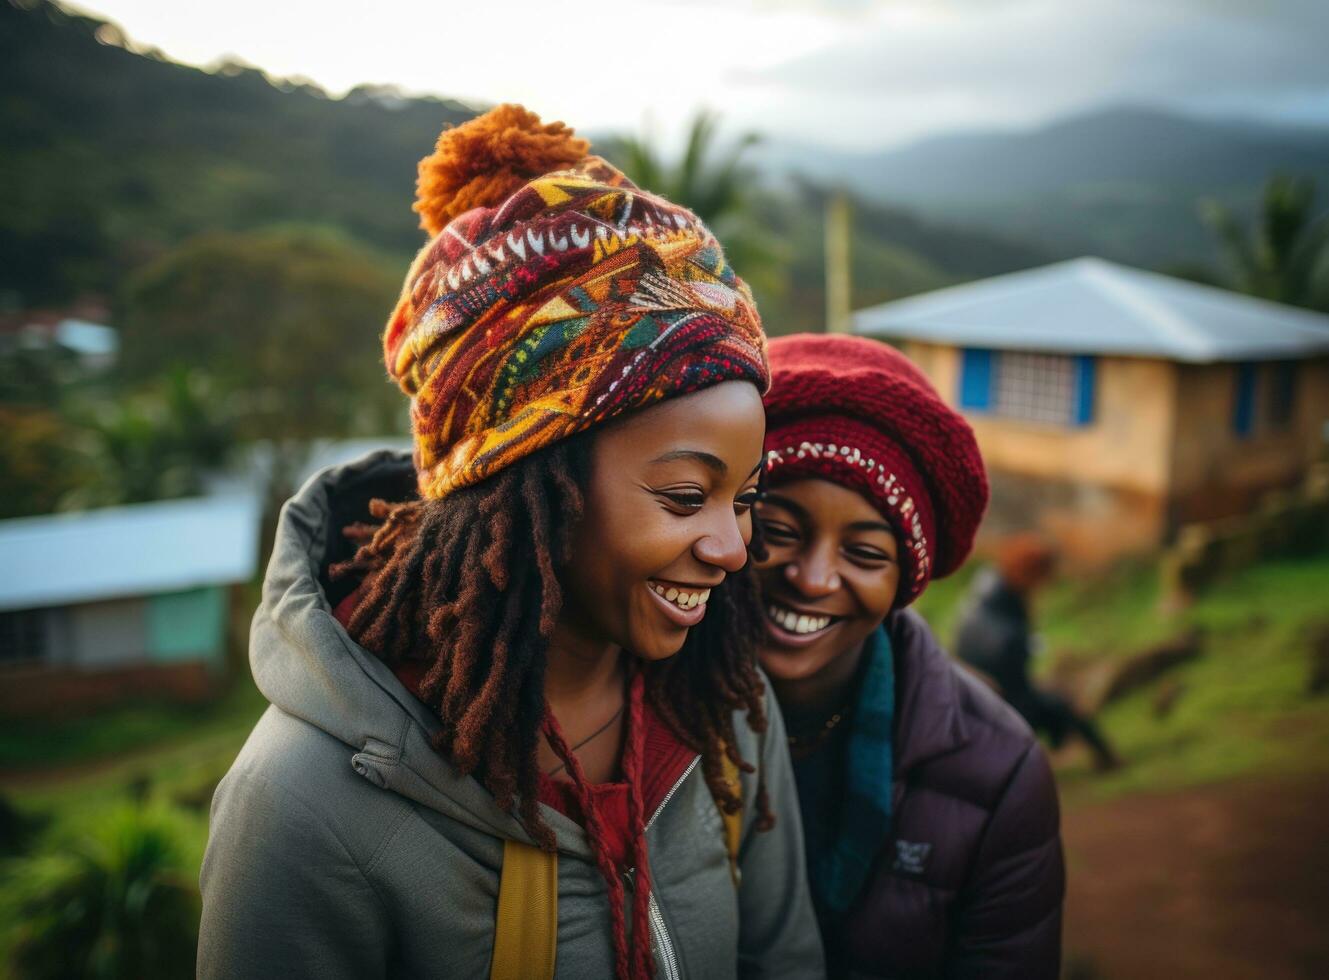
(114,903)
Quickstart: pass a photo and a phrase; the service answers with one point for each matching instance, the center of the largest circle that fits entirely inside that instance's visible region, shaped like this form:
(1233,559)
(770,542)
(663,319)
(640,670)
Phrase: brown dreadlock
(469,586)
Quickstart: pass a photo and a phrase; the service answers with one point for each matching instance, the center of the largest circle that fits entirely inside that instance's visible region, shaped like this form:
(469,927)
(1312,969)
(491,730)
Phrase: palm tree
(118,904)
(715,186)
(715,191)
(1282,256)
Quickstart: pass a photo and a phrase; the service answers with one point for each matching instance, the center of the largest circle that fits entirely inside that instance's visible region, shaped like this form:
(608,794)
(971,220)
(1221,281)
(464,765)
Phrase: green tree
(1282,256)
(39,375)
(287,321)
(70,439)
(713,183)
(115,904)
(39,462)
(155,443)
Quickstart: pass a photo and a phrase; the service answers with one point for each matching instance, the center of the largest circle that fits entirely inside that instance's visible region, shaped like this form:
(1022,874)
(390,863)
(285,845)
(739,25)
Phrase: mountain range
(1122,181)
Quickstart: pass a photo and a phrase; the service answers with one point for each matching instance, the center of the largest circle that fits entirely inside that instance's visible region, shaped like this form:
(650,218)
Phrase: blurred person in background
(995,636)
(517,724)
(930,811)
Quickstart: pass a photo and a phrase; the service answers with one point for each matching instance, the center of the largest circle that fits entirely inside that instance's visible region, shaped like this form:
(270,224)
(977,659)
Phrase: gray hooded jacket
(343,845)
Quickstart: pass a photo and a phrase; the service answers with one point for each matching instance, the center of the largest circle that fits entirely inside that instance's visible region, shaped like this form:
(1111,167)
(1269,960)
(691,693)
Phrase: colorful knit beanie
(554,295)
(859,413)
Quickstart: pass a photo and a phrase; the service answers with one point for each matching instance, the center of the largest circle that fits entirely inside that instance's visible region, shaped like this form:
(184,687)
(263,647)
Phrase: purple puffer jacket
(971,882)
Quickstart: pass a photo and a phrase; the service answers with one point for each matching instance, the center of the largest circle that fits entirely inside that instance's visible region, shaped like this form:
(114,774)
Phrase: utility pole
(838,310)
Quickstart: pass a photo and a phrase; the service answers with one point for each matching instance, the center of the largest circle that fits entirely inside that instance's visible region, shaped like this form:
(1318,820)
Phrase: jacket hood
(307,665)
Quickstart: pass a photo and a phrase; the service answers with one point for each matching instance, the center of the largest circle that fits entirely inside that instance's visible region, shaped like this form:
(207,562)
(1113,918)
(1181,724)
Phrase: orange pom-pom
(481,162)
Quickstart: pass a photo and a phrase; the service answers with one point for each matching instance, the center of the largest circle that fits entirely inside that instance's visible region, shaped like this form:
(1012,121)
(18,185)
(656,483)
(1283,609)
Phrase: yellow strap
(526,930)
(733,822)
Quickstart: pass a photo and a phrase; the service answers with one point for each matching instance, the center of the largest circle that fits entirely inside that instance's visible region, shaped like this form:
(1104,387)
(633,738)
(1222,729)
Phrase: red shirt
(664,760)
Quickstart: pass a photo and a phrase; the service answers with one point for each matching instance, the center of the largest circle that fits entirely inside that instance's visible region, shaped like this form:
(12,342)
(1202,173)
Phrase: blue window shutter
(976,379)
(1243,405)
(1085,367)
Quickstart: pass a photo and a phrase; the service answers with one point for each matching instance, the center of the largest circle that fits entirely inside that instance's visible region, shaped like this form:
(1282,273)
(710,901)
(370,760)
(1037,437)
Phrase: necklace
(591,737)
(805,742)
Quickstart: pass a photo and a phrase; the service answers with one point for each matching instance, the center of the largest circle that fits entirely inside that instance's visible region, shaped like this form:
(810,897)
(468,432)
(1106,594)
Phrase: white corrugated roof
(1092,306)
(142,549)
(86,337)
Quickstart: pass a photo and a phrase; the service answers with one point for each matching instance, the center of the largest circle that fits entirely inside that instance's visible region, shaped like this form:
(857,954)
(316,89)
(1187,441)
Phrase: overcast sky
(852,73)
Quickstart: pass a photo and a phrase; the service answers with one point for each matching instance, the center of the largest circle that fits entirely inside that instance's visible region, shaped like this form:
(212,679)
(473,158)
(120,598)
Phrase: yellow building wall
(1161,451)
(1215,472)
(1128,443)
(1100,488)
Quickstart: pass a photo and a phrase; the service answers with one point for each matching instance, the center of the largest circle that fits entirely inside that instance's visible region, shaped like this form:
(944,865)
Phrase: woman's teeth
(796,622)
(682,599)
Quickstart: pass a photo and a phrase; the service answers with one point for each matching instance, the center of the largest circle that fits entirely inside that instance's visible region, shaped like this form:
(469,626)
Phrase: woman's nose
(723,545)
(813,573)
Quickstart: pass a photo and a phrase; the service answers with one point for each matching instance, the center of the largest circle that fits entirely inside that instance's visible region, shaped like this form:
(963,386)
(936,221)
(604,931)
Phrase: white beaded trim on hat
(890,489)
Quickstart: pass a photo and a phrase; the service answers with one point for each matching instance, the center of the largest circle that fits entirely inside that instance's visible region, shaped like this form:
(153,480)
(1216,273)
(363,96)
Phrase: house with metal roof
(1113,405)
(121,602)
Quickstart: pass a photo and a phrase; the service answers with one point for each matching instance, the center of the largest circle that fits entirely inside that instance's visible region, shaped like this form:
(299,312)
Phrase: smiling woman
(517,724)
(672,489)
(930,812)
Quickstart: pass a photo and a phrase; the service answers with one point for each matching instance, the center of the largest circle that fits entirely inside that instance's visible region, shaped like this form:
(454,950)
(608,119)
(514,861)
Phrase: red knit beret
(859,413)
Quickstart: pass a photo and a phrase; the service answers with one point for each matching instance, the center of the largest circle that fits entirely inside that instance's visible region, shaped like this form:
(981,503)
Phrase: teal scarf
(865,818)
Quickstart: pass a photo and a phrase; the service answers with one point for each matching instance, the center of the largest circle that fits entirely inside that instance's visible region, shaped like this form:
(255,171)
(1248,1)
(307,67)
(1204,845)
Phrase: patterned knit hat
(859,413)
(554,295)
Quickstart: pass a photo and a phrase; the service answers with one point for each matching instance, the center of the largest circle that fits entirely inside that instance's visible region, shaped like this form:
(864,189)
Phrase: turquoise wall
(187,625)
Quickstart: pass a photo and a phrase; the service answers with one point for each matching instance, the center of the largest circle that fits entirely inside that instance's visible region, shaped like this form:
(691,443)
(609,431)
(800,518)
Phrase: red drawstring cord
(643,962)
(640,965)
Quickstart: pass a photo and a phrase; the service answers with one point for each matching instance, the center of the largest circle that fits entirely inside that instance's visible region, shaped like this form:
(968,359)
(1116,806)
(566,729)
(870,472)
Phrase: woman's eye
(778,532)
(688,500)
(869,556)
(745,501)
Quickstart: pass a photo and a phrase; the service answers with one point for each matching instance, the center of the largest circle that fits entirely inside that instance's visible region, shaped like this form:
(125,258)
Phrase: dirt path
(1224,883)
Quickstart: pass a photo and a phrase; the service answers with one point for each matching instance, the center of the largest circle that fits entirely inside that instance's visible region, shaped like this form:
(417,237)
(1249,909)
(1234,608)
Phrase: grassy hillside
(111,156)
(1244,707)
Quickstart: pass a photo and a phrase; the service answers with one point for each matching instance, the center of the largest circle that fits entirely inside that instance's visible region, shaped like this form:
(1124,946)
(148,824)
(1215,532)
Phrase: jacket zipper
(659,934)
(672,790)
(666,945)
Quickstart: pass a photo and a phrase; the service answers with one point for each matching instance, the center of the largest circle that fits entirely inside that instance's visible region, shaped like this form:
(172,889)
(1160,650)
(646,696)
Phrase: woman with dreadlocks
(516,726)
